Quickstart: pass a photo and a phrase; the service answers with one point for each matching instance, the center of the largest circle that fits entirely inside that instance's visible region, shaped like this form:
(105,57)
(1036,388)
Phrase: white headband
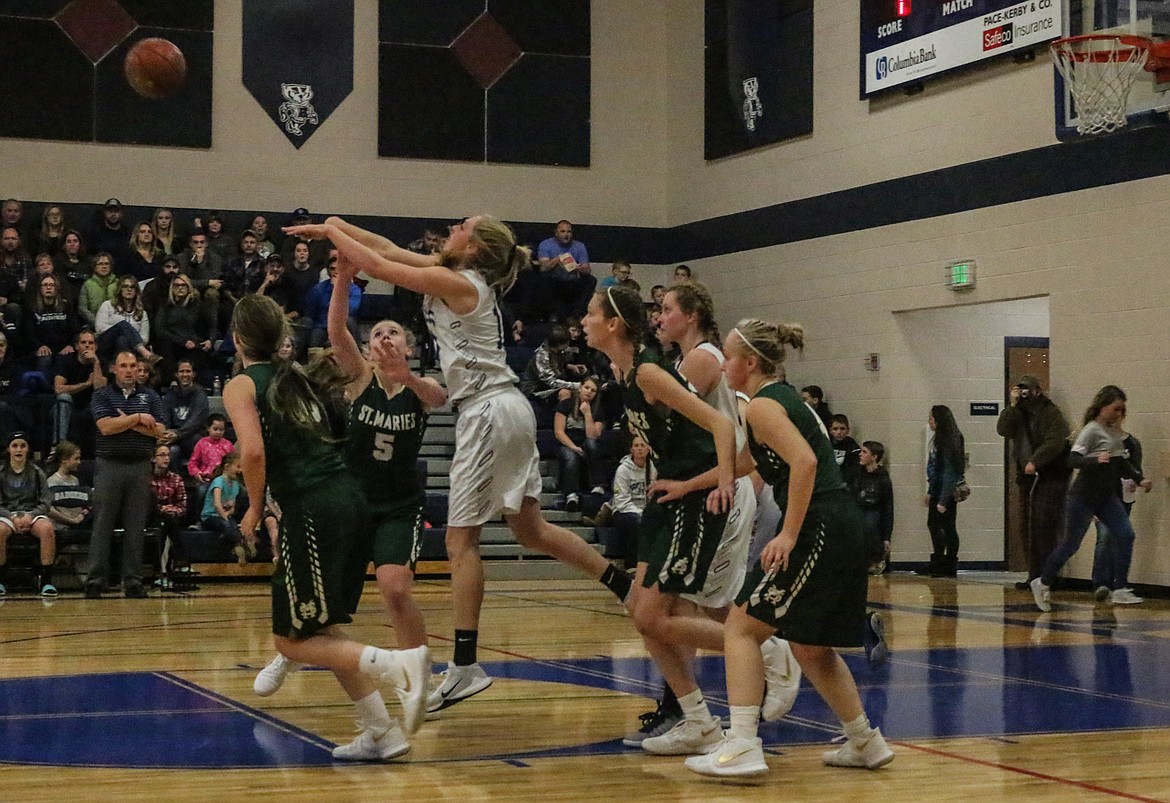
(748,343)
(612,303)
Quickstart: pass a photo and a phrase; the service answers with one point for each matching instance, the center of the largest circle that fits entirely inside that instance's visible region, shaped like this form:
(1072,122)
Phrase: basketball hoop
(1099,70)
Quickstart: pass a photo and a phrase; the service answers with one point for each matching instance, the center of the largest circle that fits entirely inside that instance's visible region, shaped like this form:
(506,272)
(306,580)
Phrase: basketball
(155,68)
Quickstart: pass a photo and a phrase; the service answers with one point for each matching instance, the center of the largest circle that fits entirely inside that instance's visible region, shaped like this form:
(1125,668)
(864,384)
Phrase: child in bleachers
(219,509)
(845,450)
(634,474)
(24,510)
(875,496)
(68,461)
(170,510)
(209,452)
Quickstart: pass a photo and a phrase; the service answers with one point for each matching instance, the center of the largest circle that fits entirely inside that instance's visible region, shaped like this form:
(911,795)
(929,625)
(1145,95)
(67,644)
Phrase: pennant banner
(298,60)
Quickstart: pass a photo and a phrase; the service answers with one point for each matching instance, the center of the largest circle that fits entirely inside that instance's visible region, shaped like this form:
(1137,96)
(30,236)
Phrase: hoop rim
(1066,46)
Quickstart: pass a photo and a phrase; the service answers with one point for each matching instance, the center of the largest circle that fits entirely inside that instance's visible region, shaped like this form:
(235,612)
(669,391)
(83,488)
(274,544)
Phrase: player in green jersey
(809,584)
(289,425)
(681,529)
(387,418)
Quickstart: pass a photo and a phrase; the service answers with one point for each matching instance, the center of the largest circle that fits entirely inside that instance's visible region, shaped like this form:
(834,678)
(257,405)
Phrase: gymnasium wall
(252,166)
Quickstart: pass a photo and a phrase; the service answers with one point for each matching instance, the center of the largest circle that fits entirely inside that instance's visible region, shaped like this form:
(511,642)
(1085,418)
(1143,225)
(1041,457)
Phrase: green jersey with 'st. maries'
(385,435)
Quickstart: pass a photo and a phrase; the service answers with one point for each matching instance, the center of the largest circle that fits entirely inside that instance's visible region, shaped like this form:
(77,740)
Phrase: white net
(1100,71)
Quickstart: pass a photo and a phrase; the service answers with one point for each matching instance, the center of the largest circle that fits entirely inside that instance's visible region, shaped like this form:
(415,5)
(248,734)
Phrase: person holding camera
(1038,432)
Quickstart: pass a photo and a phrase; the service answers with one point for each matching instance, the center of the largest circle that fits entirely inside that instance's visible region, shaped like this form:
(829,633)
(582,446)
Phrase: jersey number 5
(383,446)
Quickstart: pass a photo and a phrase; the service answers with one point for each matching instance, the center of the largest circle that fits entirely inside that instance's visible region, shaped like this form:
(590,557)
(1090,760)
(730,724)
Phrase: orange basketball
(155,68)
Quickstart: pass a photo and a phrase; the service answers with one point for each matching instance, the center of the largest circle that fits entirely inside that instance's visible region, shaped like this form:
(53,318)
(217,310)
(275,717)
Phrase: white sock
(379,663)
(694,706)
(745,720)
(372,712)
(858,731)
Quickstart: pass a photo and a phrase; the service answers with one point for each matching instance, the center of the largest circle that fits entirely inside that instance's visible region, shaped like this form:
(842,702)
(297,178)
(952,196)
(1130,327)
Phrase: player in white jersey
(495,469)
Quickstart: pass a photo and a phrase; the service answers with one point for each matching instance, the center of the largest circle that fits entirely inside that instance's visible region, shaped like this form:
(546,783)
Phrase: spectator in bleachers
(219,513)
(620,271)
(14,413)
(185,412)
(317,309)
(14,261)
(318,249)
(846,451)
(301,272)
(123,325)
(244,271)
(814,397)
(548,373)
(50,234)
(277,287)
(577,426)
(12,214)
(181,328)
(157,290)
(204,268)
(43,265)
(149,377)
(634,474)
(657,294)
(682,273)
(169,512)
(219,242)
(71,505)
(77,375)
(162,223)
(875,496)
(566,267)
(110,234)
(24,510)
(210,452)
(143,256)
(50,326)
(129,425)
(72,262)
(259,227)
(101,286)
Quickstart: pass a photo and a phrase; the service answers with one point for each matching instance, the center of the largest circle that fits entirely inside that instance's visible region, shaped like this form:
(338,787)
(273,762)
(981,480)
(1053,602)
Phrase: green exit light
(961,275)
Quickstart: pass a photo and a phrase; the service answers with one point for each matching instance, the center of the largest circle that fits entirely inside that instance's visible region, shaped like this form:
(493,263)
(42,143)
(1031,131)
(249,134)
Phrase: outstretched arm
(456,291)
(345,348)
(383,246)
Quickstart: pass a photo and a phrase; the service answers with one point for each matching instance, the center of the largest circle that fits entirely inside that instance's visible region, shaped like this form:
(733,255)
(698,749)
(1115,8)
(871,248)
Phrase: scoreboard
(907,40)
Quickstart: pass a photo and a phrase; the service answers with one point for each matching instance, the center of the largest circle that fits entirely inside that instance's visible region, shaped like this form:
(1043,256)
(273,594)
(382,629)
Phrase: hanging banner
(298,60)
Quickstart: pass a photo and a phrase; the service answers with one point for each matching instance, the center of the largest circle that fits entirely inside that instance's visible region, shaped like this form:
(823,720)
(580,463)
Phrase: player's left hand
(720,499)
(313,231)
(666,490)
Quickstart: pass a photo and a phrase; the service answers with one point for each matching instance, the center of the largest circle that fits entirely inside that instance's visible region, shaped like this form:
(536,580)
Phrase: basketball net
(1099,71)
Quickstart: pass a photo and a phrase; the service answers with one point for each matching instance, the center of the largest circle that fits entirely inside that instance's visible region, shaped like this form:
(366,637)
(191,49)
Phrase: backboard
(1148,102)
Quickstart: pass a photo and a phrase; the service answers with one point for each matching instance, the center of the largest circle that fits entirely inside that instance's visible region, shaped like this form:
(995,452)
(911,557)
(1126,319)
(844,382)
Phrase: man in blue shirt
(129,423)
(317,308)
(565,264)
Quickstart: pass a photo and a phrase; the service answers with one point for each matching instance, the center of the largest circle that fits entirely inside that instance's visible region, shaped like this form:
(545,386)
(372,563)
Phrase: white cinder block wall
(1098,256)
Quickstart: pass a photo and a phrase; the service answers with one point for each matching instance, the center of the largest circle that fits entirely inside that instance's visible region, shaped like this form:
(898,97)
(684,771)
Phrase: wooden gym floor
(984,699)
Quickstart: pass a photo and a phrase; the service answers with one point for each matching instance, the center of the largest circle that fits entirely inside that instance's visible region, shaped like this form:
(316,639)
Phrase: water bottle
(217,386)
